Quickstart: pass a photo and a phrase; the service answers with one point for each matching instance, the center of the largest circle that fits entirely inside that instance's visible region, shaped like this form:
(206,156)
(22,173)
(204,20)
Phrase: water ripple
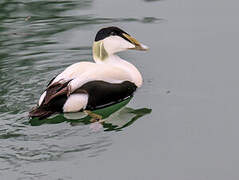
(32,51)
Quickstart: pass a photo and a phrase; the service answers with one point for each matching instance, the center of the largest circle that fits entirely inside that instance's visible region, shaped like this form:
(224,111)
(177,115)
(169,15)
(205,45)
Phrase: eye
(112,33)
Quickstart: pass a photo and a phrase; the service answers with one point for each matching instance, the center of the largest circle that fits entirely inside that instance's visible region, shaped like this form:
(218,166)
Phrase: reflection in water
(34,46)
(31,44)
(51,143)
(116,117)
(152,0)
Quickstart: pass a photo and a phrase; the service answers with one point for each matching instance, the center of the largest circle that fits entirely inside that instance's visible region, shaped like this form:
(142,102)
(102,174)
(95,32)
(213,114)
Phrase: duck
(87,86)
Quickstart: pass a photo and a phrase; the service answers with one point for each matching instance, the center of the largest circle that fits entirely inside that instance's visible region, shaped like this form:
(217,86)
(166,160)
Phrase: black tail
(45,110)
(56,96)
(40,112)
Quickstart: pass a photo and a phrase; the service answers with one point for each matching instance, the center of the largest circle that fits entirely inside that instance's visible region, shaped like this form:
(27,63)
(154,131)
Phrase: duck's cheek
(114,44)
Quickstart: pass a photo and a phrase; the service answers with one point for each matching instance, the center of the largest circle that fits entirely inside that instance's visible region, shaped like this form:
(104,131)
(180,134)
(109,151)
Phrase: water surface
(182,124)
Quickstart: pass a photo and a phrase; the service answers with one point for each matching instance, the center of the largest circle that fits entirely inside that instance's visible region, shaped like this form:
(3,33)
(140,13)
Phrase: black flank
(102,93)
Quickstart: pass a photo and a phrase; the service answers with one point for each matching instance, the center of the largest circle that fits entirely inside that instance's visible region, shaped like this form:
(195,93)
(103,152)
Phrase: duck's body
(88,85)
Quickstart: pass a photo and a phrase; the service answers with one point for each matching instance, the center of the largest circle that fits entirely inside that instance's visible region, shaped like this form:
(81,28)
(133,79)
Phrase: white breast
(133,72)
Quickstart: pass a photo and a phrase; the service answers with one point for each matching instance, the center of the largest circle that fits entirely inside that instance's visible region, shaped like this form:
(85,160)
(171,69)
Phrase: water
(182,124)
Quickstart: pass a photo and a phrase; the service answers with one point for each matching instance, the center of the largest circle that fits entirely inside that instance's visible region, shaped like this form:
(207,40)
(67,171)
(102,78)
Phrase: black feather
(102,93)
(110,31)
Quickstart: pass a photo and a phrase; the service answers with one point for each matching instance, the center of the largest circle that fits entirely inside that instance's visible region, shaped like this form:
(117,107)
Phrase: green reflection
(116,117)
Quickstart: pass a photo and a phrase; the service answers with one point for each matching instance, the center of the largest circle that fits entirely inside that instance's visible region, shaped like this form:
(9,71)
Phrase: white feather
(74,70)
(114,44)
(105,72)
(75,103)
(115,70)
(41,98)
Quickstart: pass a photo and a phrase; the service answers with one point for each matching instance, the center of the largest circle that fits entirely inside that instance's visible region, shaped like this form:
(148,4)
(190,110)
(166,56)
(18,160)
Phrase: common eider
(93,85)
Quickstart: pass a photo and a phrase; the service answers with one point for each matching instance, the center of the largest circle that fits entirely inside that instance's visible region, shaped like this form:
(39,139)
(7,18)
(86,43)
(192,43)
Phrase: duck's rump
(100,94)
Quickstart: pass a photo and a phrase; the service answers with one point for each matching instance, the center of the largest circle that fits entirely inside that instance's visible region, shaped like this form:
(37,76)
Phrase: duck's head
(111,40)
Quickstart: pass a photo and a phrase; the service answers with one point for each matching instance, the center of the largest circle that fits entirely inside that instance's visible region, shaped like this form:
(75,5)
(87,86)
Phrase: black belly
(102,94)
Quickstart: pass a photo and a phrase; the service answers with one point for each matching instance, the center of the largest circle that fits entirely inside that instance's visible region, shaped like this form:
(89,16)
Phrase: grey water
(182,124)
